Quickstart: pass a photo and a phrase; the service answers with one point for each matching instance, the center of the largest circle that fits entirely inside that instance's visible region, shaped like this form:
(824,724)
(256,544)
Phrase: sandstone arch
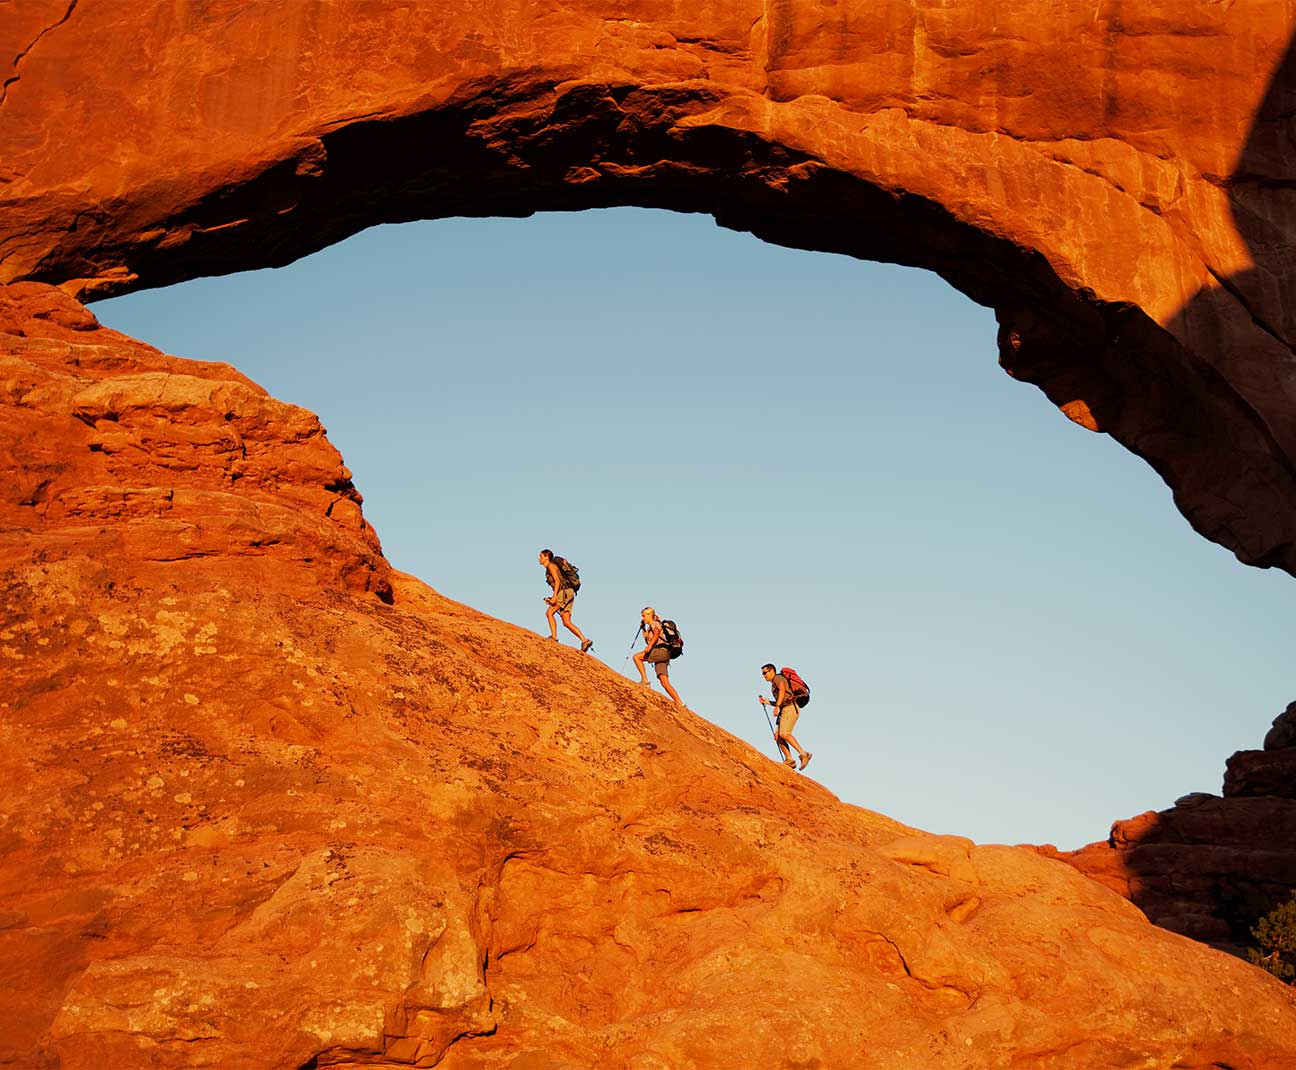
(1115,179)
(255,815)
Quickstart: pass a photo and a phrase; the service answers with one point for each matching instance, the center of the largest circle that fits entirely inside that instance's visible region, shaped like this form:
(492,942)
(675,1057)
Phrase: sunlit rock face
(1114,179)
(1211,865)
(267,803)
(150,458)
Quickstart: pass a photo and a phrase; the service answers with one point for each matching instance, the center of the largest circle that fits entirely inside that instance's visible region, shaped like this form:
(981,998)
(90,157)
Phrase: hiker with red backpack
(564,578)
(662,642)
(790,695)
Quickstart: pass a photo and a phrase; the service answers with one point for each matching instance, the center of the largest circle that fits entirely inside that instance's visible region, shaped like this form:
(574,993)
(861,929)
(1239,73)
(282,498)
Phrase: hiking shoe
(805,759)
(587,646)
(790,762)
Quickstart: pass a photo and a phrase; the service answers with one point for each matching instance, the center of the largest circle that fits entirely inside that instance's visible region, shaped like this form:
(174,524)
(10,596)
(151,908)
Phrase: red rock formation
(268,804)
(254,815)
(157,459)
(1114,178)
(1210,866)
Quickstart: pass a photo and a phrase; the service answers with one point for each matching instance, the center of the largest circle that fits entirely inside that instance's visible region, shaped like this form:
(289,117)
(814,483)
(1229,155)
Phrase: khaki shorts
(787,718)
(659,658)
(563,599)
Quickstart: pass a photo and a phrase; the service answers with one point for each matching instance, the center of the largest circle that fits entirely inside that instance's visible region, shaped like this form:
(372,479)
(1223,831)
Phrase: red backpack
(800,689)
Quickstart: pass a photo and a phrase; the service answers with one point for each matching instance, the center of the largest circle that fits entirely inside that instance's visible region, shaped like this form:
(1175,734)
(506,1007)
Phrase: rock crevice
(4,86)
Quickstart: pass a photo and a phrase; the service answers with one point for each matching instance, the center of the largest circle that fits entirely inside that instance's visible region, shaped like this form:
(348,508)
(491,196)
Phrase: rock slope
(1114,178)
(266,803)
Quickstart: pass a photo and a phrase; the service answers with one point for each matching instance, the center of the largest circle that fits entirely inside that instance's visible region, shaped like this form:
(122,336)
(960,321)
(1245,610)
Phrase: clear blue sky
(1010,632)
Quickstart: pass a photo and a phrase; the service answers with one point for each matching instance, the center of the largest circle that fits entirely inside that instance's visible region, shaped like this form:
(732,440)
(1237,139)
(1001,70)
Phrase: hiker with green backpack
(564,578)
(790,695)
(662,643)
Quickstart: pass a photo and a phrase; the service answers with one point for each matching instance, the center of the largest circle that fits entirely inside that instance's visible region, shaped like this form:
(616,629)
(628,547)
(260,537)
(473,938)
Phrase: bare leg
(567,623)
(639,664)
(801,751)
(787,721)
(550,613)
(664,680)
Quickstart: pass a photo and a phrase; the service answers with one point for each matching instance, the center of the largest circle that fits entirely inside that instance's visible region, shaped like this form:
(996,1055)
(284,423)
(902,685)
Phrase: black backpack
(570,573)
(671,639)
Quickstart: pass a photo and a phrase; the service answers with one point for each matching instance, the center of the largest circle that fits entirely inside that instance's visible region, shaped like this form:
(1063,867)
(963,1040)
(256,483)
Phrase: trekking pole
(765,710)
(632,643)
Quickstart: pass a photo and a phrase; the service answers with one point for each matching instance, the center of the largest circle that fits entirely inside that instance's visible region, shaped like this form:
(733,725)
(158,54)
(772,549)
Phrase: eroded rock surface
(1115,179)
(266,803)
(110,443)
(254,815)
(1211,865)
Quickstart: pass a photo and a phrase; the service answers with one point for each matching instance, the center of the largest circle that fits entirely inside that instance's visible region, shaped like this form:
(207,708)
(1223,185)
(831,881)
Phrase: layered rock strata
(1211,865)
(112,443)
(266,803)
(1115,179)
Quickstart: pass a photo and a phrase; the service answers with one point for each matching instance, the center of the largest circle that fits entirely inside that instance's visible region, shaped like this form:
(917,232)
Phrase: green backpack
(570,573)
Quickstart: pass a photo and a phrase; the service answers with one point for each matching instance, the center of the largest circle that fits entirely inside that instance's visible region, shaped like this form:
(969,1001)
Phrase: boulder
(1261,773)
(1283,733)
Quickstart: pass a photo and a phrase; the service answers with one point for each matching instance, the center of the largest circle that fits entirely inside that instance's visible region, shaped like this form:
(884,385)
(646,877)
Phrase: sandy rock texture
(1211,865)
(109,441)
(265,803)
(1114,178)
